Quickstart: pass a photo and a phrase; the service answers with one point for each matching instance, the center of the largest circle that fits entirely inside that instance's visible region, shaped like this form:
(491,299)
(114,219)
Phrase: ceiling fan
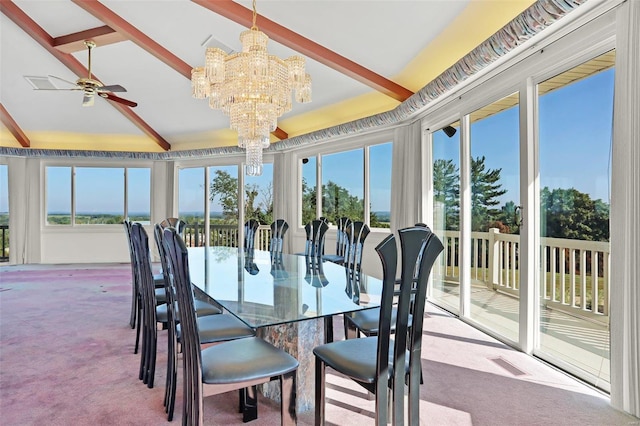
(88,85)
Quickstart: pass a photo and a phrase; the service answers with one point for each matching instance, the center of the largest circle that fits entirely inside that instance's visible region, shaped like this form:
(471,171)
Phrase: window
(139,194)
(258,196)
(343,185)
(309,179)
(380,157)
(97,195)
(58,195)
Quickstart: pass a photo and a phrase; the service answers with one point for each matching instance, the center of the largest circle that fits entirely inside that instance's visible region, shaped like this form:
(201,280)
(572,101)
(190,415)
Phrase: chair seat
(335,258)
(220,328)
(161,295)
(202,309)
(367,320)
(158,280)
(355,358)
(244,360)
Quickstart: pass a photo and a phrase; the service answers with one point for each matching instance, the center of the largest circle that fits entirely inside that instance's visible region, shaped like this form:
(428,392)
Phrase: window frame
(102,164)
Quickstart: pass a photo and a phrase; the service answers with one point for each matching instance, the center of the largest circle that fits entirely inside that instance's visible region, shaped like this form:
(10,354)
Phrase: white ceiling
(383,36)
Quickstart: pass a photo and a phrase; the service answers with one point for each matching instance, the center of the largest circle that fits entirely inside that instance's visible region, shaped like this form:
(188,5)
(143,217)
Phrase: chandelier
(253,88)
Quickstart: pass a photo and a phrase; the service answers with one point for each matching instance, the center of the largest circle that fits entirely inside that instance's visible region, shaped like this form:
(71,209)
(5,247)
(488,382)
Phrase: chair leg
(328,329)
(250,404)
(414,399)
(350,330)
(134,305)
(152,358)
(138,327)
(288,399)
(320,392)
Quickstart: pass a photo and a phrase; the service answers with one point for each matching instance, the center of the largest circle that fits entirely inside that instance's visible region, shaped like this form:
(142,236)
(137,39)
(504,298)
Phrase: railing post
(494,258)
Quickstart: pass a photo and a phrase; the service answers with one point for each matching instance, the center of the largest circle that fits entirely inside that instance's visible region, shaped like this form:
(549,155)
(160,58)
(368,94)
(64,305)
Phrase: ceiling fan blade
(118,99)
(73,83)
(87,101)
(112,88)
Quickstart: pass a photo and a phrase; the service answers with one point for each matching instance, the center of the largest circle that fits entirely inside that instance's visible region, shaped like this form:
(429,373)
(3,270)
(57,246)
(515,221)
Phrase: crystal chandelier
(253,88)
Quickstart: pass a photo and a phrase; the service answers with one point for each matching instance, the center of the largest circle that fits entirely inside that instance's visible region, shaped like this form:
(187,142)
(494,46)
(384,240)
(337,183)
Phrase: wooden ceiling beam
(75,42)
(13,127)
(116,22)
(243,16)
(29,26)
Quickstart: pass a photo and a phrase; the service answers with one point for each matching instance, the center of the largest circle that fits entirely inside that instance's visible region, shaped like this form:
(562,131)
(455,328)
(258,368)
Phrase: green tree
(485,191)
(225,187)
(569,213)
(446,191)
(308,202)
(337,202)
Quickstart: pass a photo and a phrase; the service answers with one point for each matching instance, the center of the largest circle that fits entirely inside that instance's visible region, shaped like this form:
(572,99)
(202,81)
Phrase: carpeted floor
(66,358)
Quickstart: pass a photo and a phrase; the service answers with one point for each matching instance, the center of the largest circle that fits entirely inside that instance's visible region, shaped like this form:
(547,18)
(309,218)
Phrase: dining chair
(278,229)
(342,241)
(250,230)
(211,328)
(136,306)
(148,305)
(174,222)
(366,321)
(380,364)
(315,234)
(231,365)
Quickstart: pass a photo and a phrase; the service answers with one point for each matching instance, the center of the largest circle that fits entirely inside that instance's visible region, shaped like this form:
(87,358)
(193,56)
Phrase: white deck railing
(224,235)
(574,274)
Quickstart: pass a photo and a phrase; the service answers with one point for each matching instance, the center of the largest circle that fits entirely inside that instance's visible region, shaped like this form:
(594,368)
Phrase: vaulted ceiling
(365,57)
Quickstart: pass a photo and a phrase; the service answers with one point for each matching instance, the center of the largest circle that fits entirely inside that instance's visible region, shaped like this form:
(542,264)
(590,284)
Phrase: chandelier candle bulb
(253,88)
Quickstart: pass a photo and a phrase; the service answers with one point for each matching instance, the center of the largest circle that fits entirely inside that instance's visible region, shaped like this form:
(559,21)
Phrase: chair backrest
(316,231)
(250,230)
(342,240)
(419,248)
(127,229)
(140,242)
(416,292)
(278,228)
(174,222)
(178,262)
(356,235)
(158,232)
(388,252)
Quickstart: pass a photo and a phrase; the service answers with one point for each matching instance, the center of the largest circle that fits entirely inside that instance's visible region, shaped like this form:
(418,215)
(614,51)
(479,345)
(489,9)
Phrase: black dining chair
(315,235)
(342,241)
(278,229)
(211,328)
(366,321)
(250,230)
(236,364)
(147,312)
(135,319)
(174,222)
(380,364)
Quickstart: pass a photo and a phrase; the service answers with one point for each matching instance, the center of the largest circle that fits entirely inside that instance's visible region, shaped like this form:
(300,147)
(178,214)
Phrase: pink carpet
(66,358)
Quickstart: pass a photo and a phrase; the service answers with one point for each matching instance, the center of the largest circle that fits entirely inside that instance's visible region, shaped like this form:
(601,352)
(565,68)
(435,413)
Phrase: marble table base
(298,339)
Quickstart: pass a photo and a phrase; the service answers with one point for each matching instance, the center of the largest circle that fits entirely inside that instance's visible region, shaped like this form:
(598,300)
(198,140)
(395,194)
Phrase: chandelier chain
(255,15)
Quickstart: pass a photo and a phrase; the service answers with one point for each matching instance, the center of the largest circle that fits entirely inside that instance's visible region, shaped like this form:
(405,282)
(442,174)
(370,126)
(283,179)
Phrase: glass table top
(291,288)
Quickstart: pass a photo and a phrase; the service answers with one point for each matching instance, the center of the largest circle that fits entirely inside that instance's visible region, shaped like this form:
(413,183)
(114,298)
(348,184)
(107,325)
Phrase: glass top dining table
(264,291)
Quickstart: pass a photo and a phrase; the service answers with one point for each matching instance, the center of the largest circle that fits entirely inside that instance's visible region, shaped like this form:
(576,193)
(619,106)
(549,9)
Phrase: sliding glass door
(575,122)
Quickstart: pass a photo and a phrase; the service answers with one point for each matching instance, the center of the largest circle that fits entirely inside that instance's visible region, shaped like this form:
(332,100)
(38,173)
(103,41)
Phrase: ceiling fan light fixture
(253,88)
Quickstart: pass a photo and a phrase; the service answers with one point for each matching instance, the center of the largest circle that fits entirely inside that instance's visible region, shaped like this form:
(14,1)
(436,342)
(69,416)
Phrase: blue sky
(574,135)
(575,138)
